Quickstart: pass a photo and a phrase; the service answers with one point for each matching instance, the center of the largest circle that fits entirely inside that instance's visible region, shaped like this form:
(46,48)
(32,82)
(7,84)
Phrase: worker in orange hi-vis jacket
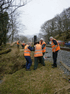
(23,44)
(27,51)
(38,55)
(18,42)
(55,48)
(42,42)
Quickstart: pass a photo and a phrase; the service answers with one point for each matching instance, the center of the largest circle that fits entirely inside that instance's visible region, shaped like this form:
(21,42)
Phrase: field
(16,80)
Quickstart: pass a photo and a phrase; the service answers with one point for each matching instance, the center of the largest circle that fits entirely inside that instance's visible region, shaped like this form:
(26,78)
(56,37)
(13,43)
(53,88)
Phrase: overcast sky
(35,13)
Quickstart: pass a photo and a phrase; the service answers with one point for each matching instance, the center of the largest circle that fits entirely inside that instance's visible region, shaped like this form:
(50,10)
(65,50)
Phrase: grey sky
(35,13)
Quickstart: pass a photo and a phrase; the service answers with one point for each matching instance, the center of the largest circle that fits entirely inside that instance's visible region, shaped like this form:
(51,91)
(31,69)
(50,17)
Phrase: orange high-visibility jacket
(23,44)
(53,46)
(38,50)
(26,51)
(17,42)
(44,49)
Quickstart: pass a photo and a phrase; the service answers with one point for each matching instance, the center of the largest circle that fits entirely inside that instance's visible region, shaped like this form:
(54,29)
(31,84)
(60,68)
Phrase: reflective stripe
(27,50)
(55,47)
(38,53)
(38,50)
(52,44)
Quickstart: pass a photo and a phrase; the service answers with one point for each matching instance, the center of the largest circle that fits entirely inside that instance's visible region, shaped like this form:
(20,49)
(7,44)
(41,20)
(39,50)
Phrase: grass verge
(44,80)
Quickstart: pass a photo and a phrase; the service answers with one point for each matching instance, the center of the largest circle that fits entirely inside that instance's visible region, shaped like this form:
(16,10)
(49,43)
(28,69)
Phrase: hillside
(64,37)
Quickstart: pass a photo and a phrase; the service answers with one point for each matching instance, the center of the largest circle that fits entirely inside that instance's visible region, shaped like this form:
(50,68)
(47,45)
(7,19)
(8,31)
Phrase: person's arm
(30,48)
(33,48)
(56,44)
(43,46)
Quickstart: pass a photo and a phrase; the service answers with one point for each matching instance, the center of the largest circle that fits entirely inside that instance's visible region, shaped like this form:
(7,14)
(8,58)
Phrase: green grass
(44,80)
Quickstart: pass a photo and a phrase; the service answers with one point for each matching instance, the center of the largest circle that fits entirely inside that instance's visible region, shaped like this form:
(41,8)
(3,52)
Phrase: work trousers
(37,60)
(22,46)
(55,58)
(43,58)
(43,55)
(28,62)
(17,46)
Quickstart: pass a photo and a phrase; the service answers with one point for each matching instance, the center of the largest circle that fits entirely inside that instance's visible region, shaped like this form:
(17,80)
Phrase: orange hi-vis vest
(26,51)
(23,44)
(44,49)
(17,42)
(38,50)
(53,46)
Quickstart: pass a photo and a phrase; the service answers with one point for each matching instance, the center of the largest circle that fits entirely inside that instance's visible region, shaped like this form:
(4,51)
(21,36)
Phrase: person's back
(38,55)
(38,50)
(26,51)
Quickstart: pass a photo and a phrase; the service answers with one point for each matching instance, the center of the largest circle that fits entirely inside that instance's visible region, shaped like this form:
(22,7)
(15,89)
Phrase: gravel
(63,56)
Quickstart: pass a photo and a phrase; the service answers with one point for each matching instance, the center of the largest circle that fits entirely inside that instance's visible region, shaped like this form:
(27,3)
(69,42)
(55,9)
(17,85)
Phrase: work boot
(28,70)
(54,66)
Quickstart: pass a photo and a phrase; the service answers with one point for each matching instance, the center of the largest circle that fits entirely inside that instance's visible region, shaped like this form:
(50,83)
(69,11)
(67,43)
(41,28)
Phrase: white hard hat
(41,39)
(51,37)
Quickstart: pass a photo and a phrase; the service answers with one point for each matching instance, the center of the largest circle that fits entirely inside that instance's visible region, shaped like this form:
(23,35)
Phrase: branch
(18,7)
(9,36)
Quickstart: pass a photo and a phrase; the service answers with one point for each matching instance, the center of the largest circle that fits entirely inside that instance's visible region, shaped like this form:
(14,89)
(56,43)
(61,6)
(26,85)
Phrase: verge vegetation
(16,80)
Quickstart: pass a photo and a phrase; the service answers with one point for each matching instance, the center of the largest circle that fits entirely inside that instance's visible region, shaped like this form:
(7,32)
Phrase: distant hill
(58,27)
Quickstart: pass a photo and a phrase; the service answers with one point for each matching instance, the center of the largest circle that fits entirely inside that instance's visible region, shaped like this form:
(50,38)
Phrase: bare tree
(6,5)
(9,7)
(23,38)
(58,25)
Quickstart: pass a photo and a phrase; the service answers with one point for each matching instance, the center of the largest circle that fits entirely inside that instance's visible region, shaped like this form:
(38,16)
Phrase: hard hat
(41,39)
(51,37)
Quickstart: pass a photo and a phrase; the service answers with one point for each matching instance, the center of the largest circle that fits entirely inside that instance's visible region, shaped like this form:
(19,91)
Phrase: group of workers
(39,51)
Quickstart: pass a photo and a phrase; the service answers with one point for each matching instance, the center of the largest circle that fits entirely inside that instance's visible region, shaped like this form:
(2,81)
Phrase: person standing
(38,55)
(42,42)
(18,44)
(27,51)
(23,44)
(43,45)
(55,48)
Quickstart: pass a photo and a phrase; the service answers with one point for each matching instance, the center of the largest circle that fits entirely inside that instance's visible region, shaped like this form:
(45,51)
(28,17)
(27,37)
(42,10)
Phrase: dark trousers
(28,62)
(17,46)
(43,55)
(22,46)
(37,60)
(55,58)
(43,58)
